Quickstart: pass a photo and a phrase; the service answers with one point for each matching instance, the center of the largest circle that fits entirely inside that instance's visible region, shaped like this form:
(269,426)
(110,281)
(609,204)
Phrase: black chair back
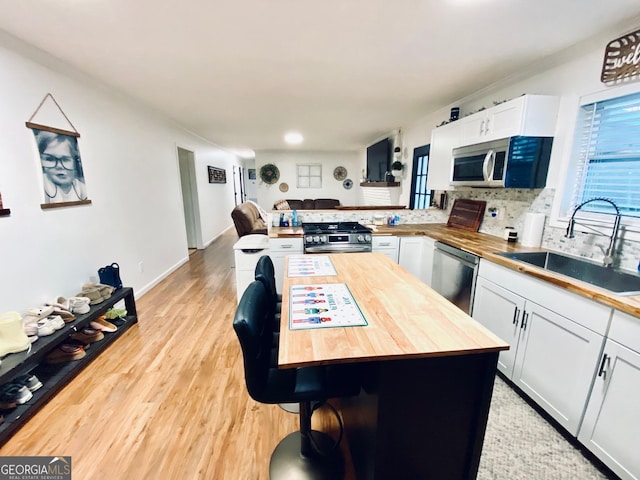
(252,316)
(266,274)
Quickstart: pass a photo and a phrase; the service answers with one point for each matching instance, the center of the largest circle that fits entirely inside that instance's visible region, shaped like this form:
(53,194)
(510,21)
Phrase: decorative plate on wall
(348,183)
(269,173)
(284,187)
(339,173)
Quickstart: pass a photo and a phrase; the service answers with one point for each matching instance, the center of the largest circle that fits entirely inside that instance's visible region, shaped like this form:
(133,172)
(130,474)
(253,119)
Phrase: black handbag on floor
(110,275)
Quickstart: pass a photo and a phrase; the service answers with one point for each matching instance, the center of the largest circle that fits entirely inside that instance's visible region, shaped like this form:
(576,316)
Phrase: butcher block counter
(488,247)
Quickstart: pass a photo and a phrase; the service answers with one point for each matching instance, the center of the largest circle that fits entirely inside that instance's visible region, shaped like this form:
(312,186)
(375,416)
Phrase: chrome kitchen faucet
(608,255)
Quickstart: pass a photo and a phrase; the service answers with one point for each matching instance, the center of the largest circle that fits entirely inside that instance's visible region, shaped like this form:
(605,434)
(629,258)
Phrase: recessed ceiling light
(293,138)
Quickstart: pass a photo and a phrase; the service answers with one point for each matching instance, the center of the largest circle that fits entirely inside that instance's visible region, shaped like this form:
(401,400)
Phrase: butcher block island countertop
(406,319)
(489,246)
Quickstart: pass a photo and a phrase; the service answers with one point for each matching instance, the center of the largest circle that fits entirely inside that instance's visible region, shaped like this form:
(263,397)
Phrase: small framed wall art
(217,175)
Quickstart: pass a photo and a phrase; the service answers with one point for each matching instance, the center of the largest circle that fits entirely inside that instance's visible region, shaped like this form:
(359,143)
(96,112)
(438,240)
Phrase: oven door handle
(342,249)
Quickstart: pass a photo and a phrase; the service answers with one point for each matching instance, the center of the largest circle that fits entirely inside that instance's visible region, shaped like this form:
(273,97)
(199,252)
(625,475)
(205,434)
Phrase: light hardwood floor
(168,399)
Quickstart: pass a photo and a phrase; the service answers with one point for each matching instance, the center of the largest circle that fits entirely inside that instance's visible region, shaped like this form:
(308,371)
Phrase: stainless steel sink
(615,281)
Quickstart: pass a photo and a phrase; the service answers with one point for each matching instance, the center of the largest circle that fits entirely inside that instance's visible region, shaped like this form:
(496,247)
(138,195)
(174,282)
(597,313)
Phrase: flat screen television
(378,160)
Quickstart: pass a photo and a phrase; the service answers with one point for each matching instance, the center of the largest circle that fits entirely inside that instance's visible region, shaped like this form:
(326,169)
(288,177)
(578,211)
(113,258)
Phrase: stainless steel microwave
(515,162)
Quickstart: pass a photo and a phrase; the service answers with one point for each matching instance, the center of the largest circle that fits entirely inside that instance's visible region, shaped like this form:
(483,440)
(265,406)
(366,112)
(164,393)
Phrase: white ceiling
(342,72)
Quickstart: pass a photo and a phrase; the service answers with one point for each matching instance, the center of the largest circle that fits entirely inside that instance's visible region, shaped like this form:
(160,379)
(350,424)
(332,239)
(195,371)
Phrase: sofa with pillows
(307,204)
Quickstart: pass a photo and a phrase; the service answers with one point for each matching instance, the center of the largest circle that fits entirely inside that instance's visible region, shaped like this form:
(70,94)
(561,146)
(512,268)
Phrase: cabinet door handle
(525,317)
(486,127)
(602,371)
(516,314)
(286,246)
(481,127)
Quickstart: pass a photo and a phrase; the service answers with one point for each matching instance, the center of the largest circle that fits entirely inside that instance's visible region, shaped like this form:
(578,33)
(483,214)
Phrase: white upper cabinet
(443,140)
(529,115)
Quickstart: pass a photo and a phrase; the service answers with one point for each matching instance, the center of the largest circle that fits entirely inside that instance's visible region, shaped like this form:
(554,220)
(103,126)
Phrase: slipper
(45,328)
(105,290)
(66,315)
(56,321)
(35,314)
(60,302)
(101,324)
(87,335)
(93,294)
(65,353)
(79,304)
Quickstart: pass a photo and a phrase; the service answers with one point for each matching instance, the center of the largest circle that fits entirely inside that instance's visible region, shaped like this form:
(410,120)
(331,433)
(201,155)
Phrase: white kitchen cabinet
(279,248)
(554,354)
(530,115)
(612,420)
(386,244)
(410,254)
(499,310)
(428,250)
(443,140)
(247,251)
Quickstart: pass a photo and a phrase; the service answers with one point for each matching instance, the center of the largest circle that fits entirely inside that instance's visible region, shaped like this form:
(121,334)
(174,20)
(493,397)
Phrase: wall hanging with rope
(62,173)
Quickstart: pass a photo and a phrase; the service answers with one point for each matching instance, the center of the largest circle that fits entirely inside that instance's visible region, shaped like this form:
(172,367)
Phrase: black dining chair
(265,273)
(307,453)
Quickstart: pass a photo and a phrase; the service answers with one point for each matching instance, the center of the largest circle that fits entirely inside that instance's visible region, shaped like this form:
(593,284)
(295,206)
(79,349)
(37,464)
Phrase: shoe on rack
(65,353)
(56,321)
(13,392)
(101,324)
(28,380)
(93,294)
(88,335)
(35,314)
(105,290)
(45,328)
(31,330)
(66,315)
(61,302)
(79,305)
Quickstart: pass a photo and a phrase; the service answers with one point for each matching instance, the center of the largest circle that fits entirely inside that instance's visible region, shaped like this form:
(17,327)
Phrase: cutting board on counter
(466,214)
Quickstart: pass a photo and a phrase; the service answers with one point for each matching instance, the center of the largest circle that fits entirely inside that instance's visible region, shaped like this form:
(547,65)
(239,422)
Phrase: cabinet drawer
(384,241)
(293,245)
(625,329)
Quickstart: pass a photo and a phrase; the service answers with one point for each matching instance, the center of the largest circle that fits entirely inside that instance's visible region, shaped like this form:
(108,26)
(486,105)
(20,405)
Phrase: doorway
(186,162)
(239,193)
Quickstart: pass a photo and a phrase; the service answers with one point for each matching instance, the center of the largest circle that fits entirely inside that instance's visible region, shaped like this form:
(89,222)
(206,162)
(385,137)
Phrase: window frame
(561,210)
(423,151)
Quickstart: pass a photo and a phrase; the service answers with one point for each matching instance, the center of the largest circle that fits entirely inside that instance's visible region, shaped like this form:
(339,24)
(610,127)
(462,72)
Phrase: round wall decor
(339,173)
(284,187)
(348,183)
(269,173)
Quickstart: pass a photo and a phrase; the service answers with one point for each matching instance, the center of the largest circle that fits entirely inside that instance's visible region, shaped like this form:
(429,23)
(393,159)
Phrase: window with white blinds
(607,147)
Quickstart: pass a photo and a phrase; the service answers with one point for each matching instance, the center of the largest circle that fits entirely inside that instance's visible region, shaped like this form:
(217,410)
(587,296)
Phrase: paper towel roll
(533,228)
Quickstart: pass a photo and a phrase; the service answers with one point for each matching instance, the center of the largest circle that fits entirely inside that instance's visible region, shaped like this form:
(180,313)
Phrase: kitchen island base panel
(421,418)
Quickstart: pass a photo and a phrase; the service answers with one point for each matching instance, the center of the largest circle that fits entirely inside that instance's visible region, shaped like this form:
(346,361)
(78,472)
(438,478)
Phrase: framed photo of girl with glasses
(62,174)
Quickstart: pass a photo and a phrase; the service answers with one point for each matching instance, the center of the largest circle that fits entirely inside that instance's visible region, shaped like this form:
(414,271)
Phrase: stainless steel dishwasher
(454,275)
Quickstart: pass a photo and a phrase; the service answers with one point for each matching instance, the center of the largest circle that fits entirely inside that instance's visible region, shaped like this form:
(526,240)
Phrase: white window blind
(607,145)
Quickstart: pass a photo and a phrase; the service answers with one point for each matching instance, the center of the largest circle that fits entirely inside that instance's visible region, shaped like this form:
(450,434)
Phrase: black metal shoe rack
(55,376)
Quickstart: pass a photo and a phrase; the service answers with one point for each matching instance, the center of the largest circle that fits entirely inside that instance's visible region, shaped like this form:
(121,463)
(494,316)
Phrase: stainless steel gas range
(337,237)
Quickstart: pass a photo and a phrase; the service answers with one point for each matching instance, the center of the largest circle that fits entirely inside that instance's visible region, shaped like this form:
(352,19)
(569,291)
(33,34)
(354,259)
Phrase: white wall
(131,170)
(286,162)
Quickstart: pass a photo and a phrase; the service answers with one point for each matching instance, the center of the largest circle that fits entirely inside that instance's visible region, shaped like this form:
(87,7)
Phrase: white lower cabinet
(279,248)
(612,420)
(553,356)
(386,244)
(410,254)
